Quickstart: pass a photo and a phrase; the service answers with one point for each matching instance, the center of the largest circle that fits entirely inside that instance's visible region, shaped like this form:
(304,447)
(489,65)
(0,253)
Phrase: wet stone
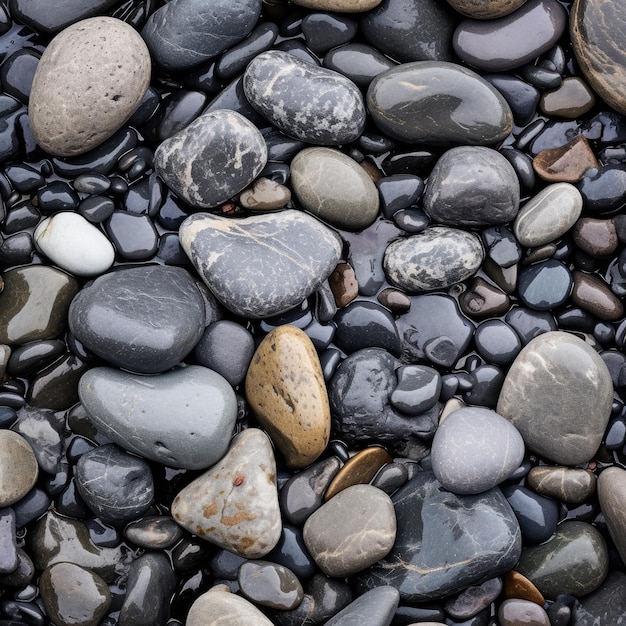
(154,532)
(601,189)
(596,237)
(571,100)
(218,607)
(612,496)
(536,514)
(605,606)
(343,284)
(377,606)
(18,467)
(482,299)
(497,342)
(9,557)
(592,294)
(486,9)
(513,612)
(544,286)
(323,31)
(359,62)
(567,163)
(565,484)
(516,585)
(474,599)
(417,390)
(269,584)
(265,195)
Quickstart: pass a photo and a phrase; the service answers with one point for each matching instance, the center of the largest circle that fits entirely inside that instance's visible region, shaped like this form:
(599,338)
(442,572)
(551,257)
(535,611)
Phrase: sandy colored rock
(18,467)
(516,585)
(218,607)
(345,6)
(485,9)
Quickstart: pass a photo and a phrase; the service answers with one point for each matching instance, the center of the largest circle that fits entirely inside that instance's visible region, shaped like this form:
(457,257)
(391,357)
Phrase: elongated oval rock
(558,393)
(612,495)
(438,103)
(215,157)
(105,65)
(304,101)
(486,9)
(436,258)
(287,256)
(183,418)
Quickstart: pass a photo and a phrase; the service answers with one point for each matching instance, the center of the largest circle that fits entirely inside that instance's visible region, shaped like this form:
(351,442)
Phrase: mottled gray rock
(335,188)
(184,33)
(376,607)
(215,157)
(436,258)
(218,607)
(182,418)
(472,186)
(352,531)
(558,393)
(304,101)
(288,255)
(475,449)
(105,65)
(270,584)
(145,319)
(612,495)
(18,467)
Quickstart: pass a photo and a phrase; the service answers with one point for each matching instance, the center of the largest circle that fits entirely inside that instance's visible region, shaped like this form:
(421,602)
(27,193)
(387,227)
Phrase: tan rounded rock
(18,467)
(89,81)
(485,9)
(343,6)
(218,607)
(286,392)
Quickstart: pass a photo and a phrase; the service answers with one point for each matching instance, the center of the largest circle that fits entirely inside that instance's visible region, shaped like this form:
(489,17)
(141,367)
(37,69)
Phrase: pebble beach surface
(312,313)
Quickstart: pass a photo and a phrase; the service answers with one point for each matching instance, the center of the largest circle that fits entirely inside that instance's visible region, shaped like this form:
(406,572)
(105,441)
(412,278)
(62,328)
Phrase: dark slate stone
(604,607)
(501,246)
(177,111)
(529,324)
(418,389)
(477,538)
(134,236)
(536,514)
(269,584)
(497,342)
(145,319)
(401,191)
(9,558)
(184,33)
(375,608)
(602,189)
(17,73)
(303,101)
(323,31)
(544,286)
(359,62)
(522,97)
(291,552)
(38,15)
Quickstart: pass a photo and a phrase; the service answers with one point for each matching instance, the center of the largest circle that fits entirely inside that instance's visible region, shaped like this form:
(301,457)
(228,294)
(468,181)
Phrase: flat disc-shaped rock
(286,391)
(558,394)
(438,103)
(235,504)
(89,81)
(145,319)
(287,256)
(304,101)
(182,418)
(219,154)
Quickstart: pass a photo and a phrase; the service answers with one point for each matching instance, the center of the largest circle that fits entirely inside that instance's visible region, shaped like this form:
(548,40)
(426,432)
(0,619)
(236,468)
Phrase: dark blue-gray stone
(304,101)
(418,389)
(212,159)
(536,514)
(359,62)
(9,558)
(544,286)
(374,608)
(184,33)
(261,265)
(445,542)
(604,607)
(145,319)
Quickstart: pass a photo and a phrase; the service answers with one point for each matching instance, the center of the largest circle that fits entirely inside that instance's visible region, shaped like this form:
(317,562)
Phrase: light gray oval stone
(548,215)
(304,101)
(436,258)
(219,154)
(287,256)
(558,393)
(183,418)
(89,81)
(472,186)
(335,188)
(375,607)
(218,607)
(475,449)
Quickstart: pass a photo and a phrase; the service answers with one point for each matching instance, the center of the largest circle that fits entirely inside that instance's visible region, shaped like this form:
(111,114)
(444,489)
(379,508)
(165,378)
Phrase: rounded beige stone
(89,81)
(220,607)
(343,6)
(18,467)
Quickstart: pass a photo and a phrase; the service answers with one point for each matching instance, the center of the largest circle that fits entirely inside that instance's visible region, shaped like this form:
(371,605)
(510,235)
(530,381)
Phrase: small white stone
(74,244)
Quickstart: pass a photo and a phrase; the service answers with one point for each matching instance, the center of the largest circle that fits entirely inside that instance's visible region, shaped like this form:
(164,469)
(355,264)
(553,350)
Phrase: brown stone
(565,164)
(516,585)
(483,299)
(571,100)
(592,294)
(265,195)
(566,484)
(540,253)
(18,467)
(486,9)
(343,284)
(286,392)
(597,238)
(612,496)
(395,300)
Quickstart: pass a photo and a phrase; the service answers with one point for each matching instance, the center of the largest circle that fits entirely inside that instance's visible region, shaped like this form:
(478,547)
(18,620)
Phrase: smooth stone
(186,33)
(597,237)
(34,303)
(288,93)
(116,486)
(270,584)
(574,561)
(477,538)
(474,449)
(601,189)
(154,532)
(18,467)
(486,9)
(105,65)
(516,585)
(286,392)
(417,390)
(342,6)
(218,155)
(595,32)
(375,607)
(134,236)
(612,496)
(31,357)
(566,484)
(73,595)
(323,31)
(438,103)
(497,342)
(351,531)
(545,285)
(472,186)
(548,215)
(592,294)
(343,284)
(358,61)
(9,556)
(509,42)
(74,245)
(436,258)
(335,188)
(536,514)
(289,254)
(474,599)
(182,418)
(482,299)
(235,504)
(515,612)
(522,97)
(558,393)
(218,607)
(265,195)
(566,164)
(571,100)
(291,552)
(36,13)
(410,30)
(604,607)
(399,192)
(145,319)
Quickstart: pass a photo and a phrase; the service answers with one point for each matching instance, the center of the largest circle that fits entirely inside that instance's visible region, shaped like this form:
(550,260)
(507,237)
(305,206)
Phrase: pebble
(558,393)
(417,390)
(566,484)
(545,285)
(472,186)
(436,258)
(182,418)
(572,99)
(218,607)
(482,299)
(361,468)
(514,612)
(105,65)
(288,255)
(286,91)
(235,504)
(265,195)
(516,585)
(154,532)
(358,61)
(605,606)
(537,515)
(218,155)
(343,6)
(343,284)
(286,392)
(592,294)
(335,188)
(596,237)
(497,342)
(486,9)
(567,163)
(9,557)
(377,606)
(18,468)
(270,584)
(612,496)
